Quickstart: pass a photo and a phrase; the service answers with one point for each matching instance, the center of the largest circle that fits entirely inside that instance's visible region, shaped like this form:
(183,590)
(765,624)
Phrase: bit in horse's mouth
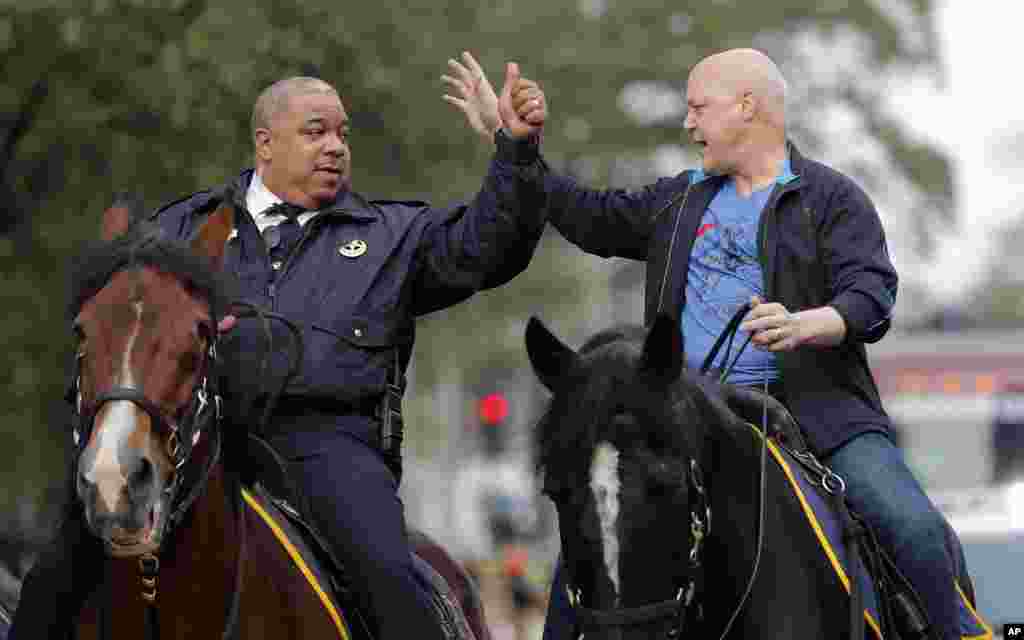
(140,542)
(151,524)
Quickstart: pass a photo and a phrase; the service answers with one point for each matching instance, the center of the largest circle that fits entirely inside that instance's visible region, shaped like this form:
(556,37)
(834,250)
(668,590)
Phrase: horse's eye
(190,360)
(663,479)
(79,334)
(558,495)
(205,331)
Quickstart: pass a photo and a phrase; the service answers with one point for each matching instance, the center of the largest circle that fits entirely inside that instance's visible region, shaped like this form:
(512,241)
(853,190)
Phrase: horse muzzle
(130,526)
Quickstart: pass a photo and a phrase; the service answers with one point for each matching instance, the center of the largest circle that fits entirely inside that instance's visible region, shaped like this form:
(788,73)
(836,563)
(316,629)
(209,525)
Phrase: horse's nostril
(141,476)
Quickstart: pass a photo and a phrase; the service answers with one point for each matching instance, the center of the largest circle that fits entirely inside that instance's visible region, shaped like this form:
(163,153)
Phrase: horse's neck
(209,533)
(733,474)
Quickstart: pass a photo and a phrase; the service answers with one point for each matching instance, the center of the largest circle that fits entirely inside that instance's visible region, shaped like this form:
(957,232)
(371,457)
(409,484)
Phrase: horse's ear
(117,219)
(551,359)
(663,350)
(127,209)
(213,235)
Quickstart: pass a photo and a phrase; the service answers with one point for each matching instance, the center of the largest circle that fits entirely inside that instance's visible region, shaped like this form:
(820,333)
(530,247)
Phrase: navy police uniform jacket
(821,243)
(361,273)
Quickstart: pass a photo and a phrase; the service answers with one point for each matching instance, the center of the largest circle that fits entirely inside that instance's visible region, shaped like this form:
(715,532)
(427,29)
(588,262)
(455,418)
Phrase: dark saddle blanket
(271,495)
(824,521)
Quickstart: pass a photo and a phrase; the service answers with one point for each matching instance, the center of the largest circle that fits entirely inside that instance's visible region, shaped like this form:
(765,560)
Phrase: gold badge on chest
(353,248)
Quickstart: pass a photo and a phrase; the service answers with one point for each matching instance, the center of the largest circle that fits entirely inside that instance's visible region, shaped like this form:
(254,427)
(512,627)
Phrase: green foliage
(999,298)
(154,96)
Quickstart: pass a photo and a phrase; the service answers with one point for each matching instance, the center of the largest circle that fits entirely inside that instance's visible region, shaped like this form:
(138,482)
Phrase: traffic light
(492,409)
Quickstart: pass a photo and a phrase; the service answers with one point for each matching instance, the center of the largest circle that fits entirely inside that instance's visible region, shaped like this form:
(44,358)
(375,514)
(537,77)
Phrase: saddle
(273,492)
(892,608)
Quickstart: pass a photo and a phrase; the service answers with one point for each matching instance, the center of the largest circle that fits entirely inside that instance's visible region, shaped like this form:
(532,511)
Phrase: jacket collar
(790,175)
(347,203)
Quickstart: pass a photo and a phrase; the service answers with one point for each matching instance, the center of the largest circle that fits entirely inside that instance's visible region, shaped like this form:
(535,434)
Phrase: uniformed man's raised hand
(522,105)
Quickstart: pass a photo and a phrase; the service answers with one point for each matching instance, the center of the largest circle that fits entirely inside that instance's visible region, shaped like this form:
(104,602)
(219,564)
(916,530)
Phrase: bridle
(685,608)
(204,415)
(205,411)
(680,609)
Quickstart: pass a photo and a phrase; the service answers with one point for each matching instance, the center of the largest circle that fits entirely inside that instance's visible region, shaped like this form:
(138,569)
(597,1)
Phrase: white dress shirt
(258,199)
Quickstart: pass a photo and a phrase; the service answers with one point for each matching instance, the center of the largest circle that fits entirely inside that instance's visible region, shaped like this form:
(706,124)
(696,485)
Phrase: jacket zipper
(671,246)
(762,232)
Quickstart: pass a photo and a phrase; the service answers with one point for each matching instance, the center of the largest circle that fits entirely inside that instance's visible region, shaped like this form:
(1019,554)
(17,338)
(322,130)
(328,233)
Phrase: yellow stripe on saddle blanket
(824,522)
(292,542)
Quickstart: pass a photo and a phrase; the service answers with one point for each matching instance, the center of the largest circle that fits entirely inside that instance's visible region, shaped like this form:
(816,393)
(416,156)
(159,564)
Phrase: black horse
(670,520)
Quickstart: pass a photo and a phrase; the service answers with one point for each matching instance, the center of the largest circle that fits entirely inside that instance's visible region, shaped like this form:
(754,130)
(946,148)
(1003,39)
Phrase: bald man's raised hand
(521,104)
(473,95)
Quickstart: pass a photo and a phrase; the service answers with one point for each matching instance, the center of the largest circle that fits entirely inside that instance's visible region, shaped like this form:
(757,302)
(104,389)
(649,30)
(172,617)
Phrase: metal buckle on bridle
(699,527)
(574,597)
(76,431)
(149,567)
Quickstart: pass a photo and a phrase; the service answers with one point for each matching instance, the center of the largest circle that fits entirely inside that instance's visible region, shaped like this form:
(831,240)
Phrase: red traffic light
(493,408)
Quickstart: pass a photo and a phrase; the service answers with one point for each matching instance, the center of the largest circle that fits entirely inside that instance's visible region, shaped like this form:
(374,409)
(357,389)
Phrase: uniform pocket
(350,358)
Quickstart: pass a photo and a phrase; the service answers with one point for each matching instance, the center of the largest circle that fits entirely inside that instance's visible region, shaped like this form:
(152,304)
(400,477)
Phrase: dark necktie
(281,238)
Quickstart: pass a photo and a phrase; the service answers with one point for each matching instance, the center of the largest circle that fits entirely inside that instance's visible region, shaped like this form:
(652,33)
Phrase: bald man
(759,223)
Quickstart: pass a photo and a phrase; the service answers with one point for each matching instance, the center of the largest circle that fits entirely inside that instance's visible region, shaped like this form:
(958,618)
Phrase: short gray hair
(274,99)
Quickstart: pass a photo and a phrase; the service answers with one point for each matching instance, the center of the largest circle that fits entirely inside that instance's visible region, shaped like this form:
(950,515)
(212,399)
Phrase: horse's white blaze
(605,485)
(107,471)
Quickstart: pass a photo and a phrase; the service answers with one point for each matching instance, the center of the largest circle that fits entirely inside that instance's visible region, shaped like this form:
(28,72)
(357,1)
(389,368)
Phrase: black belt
(305,405)
(385,410)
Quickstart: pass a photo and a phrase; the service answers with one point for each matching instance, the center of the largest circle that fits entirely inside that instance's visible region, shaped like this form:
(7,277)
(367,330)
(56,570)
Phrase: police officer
(354,274)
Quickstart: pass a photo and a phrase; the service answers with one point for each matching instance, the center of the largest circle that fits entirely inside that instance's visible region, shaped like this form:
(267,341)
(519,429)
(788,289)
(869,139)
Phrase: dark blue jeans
(881,488)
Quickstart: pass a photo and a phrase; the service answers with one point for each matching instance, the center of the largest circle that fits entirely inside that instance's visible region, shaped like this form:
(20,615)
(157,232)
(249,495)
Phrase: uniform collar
(258,199)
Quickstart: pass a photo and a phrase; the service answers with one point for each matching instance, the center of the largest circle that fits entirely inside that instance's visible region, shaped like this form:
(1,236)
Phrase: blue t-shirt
(724,273)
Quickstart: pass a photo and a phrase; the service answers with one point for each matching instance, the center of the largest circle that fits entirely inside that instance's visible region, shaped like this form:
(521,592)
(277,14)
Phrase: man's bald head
(274,98)
(736,114)
(737,72)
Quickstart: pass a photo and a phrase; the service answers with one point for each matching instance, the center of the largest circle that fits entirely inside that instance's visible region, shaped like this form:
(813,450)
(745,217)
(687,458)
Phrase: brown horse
(191,553)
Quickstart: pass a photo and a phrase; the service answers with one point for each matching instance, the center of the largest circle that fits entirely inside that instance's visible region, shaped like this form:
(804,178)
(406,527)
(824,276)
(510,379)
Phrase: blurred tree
(99,96)
(999,299)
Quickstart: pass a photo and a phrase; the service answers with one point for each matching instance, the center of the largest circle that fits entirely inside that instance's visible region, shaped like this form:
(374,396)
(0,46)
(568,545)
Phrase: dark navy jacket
(821,242)
(358,312)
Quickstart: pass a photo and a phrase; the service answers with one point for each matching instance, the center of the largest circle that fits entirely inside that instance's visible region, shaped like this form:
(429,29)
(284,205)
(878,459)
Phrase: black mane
(607,381)
(145,244)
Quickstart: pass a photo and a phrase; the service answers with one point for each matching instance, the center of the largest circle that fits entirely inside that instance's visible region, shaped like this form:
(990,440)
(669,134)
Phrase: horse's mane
(607,380)
(145,244)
